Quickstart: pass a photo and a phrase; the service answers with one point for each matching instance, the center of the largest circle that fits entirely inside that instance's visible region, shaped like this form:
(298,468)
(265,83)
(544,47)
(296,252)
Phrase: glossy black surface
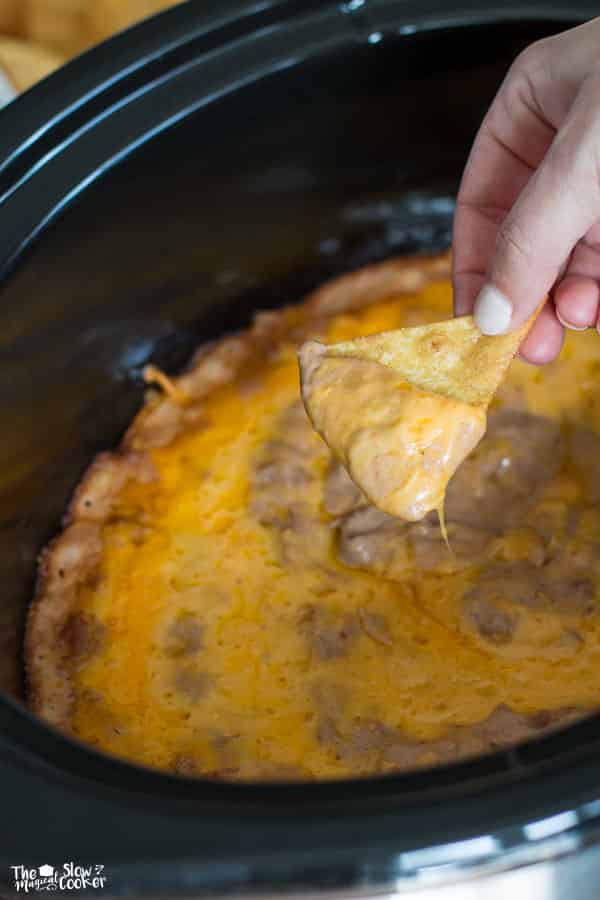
(311,142)
(320,167)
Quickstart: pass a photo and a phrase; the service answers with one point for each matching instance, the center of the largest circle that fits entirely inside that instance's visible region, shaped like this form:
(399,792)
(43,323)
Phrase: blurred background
(37,36)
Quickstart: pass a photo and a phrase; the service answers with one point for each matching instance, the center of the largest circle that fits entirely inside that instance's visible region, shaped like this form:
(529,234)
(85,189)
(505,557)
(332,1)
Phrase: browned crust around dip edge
(74,556)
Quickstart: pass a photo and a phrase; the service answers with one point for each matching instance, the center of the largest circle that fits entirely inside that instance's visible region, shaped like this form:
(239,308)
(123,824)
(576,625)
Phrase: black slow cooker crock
(221,158)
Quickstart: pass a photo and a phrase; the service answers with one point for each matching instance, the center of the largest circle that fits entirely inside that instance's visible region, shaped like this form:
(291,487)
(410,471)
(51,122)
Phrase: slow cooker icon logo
(71,877)
(43,878)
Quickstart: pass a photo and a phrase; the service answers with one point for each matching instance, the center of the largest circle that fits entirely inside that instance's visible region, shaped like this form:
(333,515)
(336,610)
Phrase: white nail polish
(569,325)
(493,311)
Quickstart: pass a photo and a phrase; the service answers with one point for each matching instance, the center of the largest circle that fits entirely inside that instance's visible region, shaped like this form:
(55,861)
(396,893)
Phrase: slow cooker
(224,157)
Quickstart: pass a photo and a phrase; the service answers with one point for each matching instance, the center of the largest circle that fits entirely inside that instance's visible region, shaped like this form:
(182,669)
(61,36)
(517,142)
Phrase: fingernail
(569,325)
(493,311)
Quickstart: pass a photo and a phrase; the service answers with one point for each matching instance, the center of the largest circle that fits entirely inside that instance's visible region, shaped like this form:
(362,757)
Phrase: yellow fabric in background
(37,36)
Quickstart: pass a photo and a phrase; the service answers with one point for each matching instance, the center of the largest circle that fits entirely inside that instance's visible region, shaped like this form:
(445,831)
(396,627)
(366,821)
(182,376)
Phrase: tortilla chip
(10,16)
(105,17)
(402,409)
(24,64)
(58,25)
(452,358)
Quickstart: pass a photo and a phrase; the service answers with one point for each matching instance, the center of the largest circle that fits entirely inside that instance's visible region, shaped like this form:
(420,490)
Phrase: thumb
(555,209)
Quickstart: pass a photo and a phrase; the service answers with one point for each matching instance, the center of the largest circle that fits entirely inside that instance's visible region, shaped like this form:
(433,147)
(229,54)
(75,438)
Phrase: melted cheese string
(441,513)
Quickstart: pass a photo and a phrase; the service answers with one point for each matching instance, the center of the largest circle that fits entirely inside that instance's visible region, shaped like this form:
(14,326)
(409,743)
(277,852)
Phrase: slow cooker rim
(382,844)
(93,72)
(530,766)
(25,135)
(34,733)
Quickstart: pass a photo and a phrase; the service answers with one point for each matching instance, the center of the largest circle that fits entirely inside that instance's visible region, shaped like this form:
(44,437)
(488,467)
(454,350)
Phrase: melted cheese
(249,698)
(399,444)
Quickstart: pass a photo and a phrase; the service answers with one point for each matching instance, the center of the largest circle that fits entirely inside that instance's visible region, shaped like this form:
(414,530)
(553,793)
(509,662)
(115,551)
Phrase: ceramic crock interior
(246,205)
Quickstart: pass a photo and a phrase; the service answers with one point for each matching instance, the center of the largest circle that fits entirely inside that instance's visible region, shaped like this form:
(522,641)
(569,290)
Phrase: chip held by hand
(404,408)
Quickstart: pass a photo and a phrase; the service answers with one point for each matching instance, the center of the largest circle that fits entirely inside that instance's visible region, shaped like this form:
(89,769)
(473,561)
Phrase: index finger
(509,146)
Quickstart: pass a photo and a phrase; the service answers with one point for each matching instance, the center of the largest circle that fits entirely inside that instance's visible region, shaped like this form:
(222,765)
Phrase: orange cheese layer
(247,686)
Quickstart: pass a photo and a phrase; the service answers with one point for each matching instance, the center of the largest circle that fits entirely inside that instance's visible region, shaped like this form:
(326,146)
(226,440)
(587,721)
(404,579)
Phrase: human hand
(528,212)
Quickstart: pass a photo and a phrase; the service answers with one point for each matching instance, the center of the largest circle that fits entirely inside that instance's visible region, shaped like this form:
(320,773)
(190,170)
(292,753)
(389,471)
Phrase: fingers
(576,300)
(545,340)
(556,208)
(577,294)
(510,145)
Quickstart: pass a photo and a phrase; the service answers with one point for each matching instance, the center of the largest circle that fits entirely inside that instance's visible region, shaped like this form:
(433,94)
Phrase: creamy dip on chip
(401,445)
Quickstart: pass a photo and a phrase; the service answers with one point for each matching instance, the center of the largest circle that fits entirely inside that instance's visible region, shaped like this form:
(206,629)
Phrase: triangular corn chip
(452,358)
(402,409)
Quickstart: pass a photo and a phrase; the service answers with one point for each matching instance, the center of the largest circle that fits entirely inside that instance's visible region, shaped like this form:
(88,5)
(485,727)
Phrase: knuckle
(511,241)
(532,57)
(591,240)
(593,246)
(574,158)
(531,68)
(528,72)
